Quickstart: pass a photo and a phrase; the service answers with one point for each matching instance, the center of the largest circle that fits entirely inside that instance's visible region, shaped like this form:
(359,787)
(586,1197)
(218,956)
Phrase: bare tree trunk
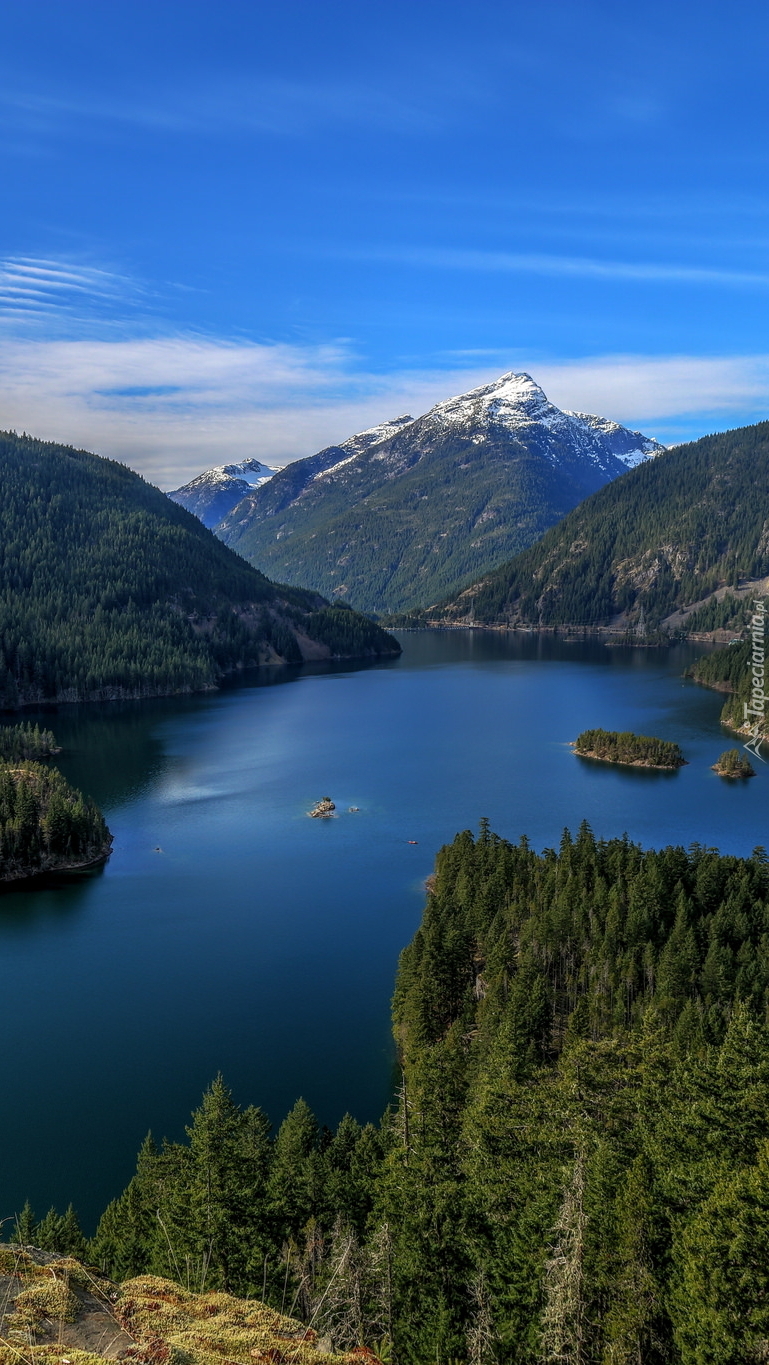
(480,1334)
(562,1318)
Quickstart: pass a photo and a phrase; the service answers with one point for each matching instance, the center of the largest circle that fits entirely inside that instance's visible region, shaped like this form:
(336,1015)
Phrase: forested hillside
(729,670)
(108,589)
(576,1167)
(26,741)
(662,538)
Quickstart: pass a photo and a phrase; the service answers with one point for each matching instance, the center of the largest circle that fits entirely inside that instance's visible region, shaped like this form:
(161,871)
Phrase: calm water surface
(229,932)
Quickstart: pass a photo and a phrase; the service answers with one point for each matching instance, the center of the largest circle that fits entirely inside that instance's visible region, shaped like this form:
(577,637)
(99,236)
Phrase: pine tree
(70,1239)
(24,1226)
(294,1186)
(48,1231)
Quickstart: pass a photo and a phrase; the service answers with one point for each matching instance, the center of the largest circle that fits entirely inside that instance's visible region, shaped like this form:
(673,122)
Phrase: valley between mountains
(572,1163)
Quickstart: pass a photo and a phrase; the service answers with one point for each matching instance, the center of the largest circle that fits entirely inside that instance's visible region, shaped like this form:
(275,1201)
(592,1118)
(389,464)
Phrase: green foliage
(347,632)
(45,824)
(579,1138)
(55,1232)
(727,613)
(576,1165)
(664,536)
(107,588)
(616,746)
(729,670)
(734,764)
(723,669)
(26,741)
(236,1209)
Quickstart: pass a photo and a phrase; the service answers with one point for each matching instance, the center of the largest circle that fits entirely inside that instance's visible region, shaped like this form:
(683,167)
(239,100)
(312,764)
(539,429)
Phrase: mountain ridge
(422,503)
(212,494)
(109,589)
(672,545)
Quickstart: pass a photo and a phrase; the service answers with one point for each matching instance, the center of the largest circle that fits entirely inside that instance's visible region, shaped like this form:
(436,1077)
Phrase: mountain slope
(108,589)
(409,515)
(214,493)
(673,533)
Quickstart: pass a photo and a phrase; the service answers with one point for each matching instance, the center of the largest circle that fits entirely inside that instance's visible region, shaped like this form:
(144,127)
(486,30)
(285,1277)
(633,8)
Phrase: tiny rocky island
(323,809)
(45,824)
(734,764)
(629,750)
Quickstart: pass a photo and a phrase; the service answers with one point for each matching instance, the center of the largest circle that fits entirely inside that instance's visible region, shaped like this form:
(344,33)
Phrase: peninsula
(45,824)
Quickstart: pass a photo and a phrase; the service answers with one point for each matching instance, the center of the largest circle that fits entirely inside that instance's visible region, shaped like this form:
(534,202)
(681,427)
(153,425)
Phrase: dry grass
(50,1354)
(47,1299)
(168,1325)
(181,1328)
(13,1261)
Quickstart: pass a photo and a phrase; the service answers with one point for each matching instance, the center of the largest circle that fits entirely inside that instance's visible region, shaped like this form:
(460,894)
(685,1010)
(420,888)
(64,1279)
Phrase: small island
(733,764)
(323,809)
(45,824)
(634,751)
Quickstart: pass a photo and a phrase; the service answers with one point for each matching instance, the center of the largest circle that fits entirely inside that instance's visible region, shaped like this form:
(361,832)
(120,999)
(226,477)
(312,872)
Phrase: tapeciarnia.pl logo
(757,708)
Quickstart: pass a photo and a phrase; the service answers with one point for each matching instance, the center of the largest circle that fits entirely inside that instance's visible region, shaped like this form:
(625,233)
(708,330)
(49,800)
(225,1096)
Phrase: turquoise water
(229,932)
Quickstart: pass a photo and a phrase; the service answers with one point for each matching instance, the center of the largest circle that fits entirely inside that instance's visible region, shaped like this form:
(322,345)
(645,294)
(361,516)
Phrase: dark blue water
(264,944)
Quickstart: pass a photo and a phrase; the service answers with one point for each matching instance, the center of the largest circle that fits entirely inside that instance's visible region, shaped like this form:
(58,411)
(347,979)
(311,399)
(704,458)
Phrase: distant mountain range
(408,511)
(110,590)
(213,494)
(681,543)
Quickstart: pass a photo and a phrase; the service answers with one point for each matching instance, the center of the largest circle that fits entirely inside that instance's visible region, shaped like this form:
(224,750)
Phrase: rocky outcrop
(56,1311)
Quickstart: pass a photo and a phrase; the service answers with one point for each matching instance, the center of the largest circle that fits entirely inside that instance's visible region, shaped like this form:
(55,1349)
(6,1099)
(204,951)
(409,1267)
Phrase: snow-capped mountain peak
(212,494)
(507,400)
(514,401)
(252,472)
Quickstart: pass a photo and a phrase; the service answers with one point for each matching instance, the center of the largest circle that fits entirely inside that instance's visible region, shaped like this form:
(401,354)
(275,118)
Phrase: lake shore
(627,763)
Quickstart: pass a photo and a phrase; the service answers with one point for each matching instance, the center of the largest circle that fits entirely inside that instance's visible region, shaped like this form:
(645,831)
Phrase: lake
(229,932)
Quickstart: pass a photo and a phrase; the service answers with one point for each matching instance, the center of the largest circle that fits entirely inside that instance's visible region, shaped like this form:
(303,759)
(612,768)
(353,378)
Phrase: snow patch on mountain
(251,472)
(373,435)
(631,447)
(212,494)
(513,406)
(363,441)
(514,402)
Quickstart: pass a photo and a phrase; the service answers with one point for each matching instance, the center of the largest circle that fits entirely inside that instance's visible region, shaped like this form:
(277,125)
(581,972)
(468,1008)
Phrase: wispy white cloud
(257,104)
(35,289)
(72,370)
(686,395)
(540,263)
(170,407)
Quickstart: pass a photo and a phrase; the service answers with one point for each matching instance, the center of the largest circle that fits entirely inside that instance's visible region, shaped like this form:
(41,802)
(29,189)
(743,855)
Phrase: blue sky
(253,228)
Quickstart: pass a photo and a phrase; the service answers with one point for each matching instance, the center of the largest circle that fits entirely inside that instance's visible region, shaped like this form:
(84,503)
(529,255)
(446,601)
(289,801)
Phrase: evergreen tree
(24,1226)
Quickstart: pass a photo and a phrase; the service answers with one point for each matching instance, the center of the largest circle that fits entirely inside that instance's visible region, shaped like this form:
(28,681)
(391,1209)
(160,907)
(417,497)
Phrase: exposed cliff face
(409,511)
